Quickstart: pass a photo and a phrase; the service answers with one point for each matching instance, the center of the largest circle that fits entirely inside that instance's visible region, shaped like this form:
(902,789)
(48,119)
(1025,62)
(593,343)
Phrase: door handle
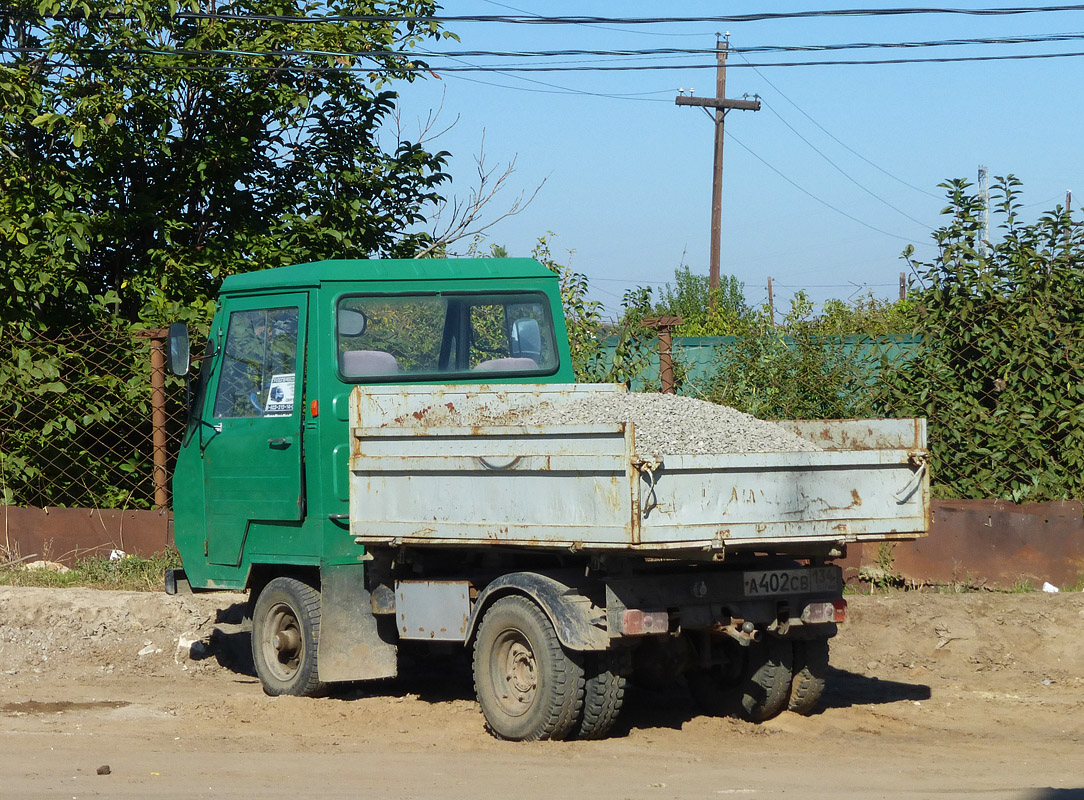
(286,442)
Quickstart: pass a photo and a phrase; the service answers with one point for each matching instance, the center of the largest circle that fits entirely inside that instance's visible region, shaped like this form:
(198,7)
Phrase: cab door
(252,454)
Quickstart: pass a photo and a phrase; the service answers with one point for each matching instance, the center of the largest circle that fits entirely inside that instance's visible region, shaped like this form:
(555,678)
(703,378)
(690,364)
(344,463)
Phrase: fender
(579,623)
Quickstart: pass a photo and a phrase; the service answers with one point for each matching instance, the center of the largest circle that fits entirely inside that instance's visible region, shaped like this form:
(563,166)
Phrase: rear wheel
(604,693)
(528,685)
(754,684)
(285,638)
(810,672)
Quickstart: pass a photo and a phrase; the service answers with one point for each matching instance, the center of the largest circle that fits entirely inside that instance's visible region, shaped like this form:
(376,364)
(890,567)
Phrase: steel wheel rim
(514,673)
(283,643)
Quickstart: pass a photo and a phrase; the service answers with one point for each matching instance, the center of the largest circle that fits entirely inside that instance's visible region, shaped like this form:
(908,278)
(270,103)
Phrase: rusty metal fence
(86,419)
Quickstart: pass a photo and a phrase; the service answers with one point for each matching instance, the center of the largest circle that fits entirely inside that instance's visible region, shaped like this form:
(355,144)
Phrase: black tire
(603,694)
(755,684)
(810,672)
(286,637)
(528,685)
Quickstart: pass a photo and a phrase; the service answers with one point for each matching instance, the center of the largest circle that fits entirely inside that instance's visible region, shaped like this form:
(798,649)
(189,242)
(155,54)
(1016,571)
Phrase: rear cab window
(423,336)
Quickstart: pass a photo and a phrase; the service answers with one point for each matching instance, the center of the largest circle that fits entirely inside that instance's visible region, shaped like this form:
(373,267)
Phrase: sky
(823,187)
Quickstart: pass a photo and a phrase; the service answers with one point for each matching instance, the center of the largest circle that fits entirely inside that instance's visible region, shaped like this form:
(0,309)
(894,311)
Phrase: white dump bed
(417,479)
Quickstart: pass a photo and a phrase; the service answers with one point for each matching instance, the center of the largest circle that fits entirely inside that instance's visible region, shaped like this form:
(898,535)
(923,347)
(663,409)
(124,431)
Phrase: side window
(416,336)
(510,336)
(380,336)
(258,364)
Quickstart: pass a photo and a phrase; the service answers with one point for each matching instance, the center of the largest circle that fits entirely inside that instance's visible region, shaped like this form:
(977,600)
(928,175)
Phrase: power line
(805,191)
(555,89)
(568,90)
(835,285)
(595,20)
(412,67)
(839,141)
(772,48)
(662,51)
(533,19)
(765,65)
(844,173)
(595,27)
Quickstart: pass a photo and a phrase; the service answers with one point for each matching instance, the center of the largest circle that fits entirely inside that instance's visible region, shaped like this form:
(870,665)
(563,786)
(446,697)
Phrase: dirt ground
(931,696)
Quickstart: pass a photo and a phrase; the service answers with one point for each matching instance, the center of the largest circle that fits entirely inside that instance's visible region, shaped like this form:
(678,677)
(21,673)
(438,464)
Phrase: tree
(722,312)
(999,374)
(866,315)
(151,148)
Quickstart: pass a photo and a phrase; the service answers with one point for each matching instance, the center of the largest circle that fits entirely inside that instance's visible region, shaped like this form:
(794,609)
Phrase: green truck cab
(261,478)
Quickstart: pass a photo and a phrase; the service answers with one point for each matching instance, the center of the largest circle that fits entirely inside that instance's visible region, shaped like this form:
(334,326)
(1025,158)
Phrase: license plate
(791,581)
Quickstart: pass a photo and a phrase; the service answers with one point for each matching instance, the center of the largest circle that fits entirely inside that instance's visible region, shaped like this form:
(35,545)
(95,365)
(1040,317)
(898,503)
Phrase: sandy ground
(931,696)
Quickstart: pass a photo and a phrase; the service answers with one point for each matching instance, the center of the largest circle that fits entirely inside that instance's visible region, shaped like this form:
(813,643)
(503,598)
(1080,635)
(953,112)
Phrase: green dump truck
(361,456)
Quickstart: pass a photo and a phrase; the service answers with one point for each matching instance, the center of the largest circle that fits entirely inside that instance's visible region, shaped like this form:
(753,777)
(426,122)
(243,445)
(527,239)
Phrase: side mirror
(179,355)
(526,339)
(352,323)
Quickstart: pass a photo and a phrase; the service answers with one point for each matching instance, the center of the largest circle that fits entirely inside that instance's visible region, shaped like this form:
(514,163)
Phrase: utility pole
(721,105)
(771,300)
(984,212)
(1068,213)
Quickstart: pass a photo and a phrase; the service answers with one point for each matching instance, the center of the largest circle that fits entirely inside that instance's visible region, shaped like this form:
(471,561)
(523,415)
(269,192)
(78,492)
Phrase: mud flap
(350,647)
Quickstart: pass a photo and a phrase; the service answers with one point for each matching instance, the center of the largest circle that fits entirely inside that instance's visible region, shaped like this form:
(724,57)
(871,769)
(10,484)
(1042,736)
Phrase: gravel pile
(666,424)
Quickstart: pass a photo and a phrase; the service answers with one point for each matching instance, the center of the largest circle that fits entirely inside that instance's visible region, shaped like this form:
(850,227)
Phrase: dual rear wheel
(763,679)
(530,687)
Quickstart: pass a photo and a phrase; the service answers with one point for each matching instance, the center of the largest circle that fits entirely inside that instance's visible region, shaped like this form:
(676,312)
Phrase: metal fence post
(157,338)
(664,326)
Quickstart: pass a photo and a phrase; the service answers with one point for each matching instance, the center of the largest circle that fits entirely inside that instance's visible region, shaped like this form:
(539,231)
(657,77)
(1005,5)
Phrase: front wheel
(285,638)
(528,685)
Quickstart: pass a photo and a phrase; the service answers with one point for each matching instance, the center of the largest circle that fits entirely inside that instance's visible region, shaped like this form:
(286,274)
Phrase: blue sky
(628,179)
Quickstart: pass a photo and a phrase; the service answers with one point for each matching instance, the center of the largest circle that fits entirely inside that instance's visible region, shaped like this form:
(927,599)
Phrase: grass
(133,573)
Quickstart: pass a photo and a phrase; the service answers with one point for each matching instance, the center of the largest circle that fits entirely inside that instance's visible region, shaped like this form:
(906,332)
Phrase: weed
(1022,586)
(882,574)
(1076,587)
(132,573)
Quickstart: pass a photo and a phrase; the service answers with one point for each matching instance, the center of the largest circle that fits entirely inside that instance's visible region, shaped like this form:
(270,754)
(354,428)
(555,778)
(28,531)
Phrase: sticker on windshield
(280,397)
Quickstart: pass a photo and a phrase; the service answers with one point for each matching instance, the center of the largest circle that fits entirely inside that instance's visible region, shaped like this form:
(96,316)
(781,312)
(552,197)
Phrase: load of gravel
(665,424)
(670,424)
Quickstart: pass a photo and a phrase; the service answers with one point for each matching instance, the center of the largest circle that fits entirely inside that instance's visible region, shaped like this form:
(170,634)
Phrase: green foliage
(136,176)
(131,573)
(75,420)
(866,315)
(145,155)
(722,312)
(791,371)
(999,375)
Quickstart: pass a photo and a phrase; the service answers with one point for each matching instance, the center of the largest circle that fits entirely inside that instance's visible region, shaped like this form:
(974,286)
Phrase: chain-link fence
(1005,409)
(87,418)
(80,424)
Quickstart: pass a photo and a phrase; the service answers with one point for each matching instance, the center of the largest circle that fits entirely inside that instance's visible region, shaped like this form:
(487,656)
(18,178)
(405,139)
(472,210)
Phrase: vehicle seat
(364,363)
(506,365)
